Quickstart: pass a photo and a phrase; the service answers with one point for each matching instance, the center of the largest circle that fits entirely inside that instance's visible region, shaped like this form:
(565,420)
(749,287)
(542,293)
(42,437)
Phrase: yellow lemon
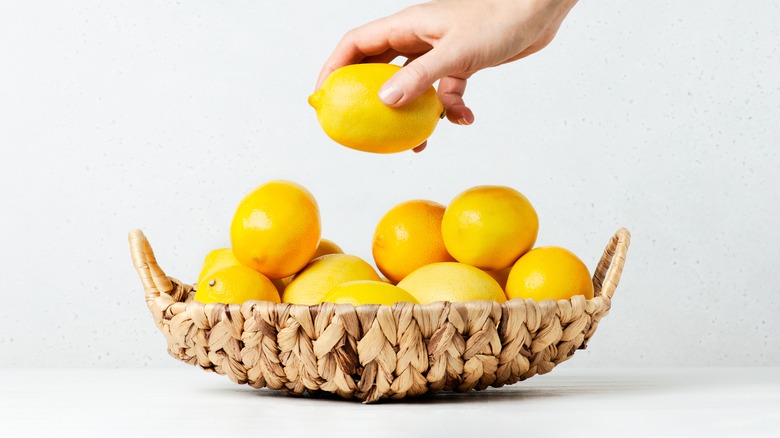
(408,237)
(279,284)
(234,285)
(217,259)
(451,281)
(489,227)
(324,273)
(350,112)
(549,272)
(324,248)
(276,229)
(501,276)
(367,292)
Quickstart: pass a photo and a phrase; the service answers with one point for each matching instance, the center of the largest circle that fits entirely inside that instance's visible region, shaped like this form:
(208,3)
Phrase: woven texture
(372,352)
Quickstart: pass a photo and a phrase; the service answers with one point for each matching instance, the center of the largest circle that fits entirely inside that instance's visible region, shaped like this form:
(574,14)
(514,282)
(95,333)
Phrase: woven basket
(372,352)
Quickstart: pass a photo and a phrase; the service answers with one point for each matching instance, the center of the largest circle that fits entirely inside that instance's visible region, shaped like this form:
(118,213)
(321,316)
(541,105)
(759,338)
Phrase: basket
(371,352)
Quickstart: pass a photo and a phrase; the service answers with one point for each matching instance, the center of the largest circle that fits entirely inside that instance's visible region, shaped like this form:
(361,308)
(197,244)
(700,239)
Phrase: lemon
(408,237)
(324,248)
(501,276)
(549,273)
(367,292)
(276,229)
(451,281)
(324,273)
(279,284)
(234,285)
(217,259)
(489,227)
(222,258)
(350,112)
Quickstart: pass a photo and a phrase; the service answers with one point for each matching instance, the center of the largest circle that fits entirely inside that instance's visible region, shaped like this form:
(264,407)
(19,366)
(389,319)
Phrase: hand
(448,41)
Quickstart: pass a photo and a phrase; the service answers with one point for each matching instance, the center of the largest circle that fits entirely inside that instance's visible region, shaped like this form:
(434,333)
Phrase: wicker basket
(372,352)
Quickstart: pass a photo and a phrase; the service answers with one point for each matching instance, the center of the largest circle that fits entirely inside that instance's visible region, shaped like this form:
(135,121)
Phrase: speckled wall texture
(663,117)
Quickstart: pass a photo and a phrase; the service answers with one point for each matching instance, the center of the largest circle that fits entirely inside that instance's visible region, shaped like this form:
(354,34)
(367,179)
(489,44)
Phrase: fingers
(417,76)
(451,91)
(368,40)
(386,57)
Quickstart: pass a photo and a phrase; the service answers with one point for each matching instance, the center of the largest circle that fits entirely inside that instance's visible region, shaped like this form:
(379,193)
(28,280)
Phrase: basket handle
(152,276)
(607,274)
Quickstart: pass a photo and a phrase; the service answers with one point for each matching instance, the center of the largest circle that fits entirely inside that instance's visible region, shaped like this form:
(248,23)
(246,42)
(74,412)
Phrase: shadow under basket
(371,352)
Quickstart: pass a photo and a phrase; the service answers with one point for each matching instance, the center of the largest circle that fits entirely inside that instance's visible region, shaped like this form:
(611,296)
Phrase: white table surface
(187,401)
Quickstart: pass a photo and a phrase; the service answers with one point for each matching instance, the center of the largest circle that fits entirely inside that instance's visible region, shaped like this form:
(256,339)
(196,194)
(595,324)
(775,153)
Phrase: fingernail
(390,94)
(463,121)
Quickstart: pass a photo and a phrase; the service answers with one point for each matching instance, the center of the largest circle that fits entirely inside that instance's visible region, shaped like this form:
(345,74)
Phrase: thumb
(417,76)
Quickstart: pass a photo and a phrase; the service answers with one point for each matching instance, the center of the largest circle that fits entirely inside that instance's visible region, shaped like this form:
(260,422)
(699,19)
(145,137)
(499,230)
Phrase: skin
(448,41)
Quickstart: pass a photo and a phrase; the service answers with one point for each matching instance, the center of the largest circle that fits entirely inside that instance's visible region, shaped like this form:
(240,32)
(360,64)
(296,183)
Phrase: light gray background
(658,116)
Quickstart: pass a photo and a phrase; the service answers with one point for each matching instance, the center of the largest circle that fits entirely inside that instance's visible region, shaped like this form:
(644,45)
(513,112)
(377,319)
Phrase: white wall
(658,116)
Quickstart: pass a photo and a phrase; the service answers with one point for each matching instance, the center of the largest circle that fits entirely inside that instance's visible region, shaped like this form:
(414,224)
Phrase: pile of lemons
(479,247)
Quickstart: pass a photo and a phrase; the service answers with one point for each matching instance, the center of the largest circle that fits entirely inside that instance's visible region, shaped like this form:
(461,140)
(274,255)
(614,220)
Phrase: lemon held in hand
(350,112)
(549,272)
(276,229)
(451,281)
(324,273)
(489,227)
(368,292)
(234,285)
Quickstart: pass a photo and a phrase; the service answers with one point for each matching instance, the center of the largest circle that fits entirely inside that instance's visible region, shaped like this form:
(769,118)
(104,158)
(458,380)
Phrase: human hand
(448,41)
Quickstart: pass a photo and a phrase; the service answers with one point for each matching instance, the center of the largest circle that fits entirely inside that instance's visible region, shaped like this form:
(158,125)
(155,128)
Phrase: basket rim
(606,276)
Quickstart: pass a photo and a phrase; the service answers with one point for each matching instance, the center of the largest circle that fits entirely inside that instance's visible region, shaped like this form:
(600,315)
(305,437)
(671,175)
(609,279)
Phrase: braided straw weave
(371,352)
